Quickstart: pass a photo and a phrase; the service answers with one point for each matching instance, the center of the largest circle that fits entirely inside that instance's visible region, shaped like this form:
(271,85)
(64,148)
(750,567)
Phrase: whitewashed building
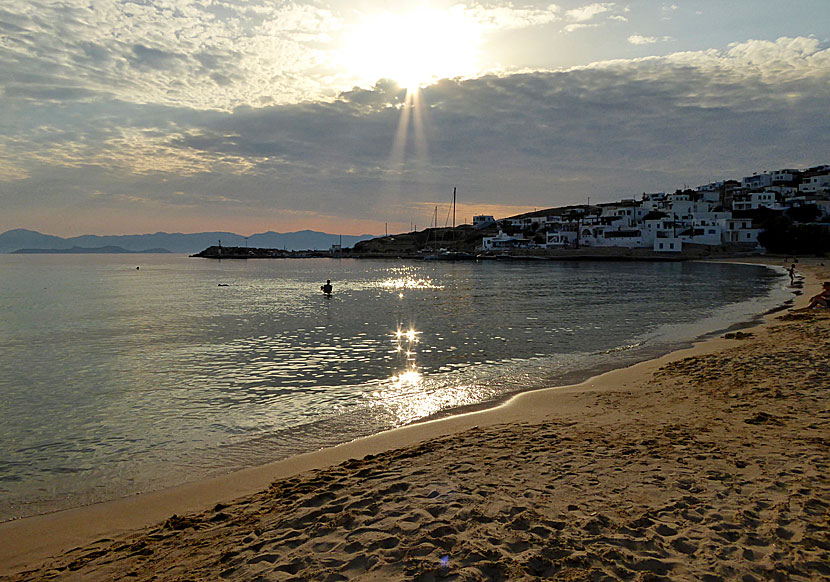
(483,221)
(625,214)
(504,241)
(755,200)
(667,244)
(817,184)
(557,239)
(711,187)
(655,201)
(784,177)
(757,181)
(739,230)
(668,222)
(661,227)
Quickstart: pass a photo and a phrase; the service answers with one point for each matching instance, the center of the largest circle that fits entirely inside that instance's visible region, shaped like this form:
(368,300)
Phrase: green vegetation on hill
(792,232)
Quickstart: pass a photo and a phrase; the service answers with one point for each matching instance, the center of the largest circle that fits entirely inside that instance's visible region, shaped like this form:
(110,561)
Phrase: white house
(739,230)
(711,187)
(786,176)
(625,214)
(526,222)
(655,201)
(483,221)
(504,241)
(684,207)
(757,181)
(667,244)
(656,227)
(755,200)
(631,238)
(560,238)
(815,184)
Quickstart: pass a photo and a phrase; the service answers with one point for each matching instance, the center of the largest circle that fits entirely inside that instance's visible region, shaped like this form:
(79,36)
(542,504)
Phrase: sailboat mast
(435,222)
(453,207)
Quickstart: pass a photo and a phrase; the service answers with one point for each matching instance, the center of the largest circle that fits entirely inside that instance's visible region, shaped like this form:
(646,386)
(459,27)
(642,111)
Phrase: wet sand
(708,464)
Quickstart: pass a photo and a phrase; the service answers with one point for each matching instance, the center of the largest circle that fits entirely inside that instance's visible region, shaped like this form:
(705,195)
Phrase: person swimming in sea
(327,287)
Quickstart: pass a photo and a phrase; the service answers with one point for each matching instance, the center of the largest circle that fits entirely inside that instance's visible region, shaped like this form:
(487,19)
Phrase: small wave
(624,348)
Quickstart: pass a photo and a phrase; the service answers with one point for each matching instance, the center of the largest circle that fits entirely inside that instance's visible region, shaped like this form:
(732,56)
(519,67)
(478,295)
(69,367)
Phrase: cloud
(589,11)
(776,63)
(175,52)
(637,39)
(10,170)
(197,54)
(193,53)
(668,10)
(509,17)
(578,26)
(608,130)
(583,16)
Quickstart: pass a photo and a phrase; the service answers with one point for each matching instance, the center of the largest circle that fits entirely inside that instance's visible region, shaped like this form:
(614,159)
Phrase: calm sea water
(115,380)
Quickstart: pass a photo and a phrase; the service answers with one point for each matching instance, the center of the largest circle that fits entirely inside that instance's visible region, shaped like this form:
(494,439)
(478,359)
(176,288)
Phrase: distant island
(107,250)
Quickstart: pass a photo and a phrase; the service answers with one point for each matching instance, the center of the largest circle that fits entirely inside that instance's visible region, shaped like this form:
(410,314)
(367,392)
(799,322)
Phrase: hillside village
(721,218)
(712,215)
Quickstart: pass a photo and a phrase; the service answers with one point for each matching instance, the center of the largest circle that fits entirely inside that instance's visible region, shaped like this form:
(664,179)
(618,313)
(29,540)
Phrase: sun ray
(411,116)
(396,157)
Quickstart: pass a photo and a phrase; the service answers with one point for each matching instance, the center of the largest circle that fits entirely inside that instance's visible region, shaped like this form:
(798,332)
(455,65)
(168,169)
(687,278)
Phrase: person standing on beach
(327,288)
(792,273)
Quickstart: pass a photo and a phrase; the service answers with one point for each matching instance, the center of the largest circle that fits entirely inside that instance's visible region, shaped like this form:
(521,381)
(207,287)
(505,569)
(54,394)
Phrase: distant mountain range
(33,241)
(111,250)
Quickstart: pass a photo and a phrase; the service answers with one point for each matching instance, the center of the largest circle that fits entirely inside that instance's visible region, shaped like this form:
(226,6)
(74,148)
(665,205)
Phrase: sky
(361,116)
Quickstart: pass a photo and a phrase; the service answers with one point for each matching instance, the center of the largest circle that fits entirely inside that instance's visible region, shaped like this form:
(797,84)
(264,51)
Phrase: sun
(414,48)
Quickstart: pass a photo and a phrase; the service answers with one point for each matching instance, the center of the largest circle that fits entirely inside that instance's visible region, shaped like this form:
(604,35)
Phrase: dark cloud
(607,121)
(144,56)
(48,93)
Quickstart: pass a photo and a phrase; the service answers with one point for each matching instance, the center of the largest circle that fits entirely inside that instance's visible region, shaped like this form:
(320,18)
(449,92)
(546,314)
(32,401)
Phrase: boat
(445,254)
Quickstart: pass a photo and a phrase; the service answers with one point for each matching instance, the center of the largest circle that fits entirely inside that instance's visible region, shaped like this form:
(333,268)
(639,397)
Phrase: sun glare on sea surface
(414,48)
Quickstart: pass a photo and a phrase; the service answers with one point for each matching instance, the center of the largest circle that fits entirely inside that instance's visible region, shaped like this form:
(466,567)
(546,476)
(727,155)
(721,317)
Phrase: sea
(128,373)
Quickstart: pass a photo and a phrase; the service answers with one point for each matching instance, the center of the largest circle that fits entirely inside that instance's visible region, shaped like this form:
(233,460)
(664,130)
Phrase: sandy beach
(711,463)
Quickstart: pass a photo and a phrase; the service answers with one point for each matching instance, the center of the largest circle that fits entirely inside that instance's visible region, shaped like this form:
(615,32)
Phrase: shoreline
(611,254)
(27,541)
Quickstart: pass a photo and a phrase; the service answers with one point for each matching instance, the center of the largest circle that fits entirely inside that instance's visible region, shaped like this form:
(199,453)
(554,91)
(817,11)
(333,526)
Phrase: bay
(117,379)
